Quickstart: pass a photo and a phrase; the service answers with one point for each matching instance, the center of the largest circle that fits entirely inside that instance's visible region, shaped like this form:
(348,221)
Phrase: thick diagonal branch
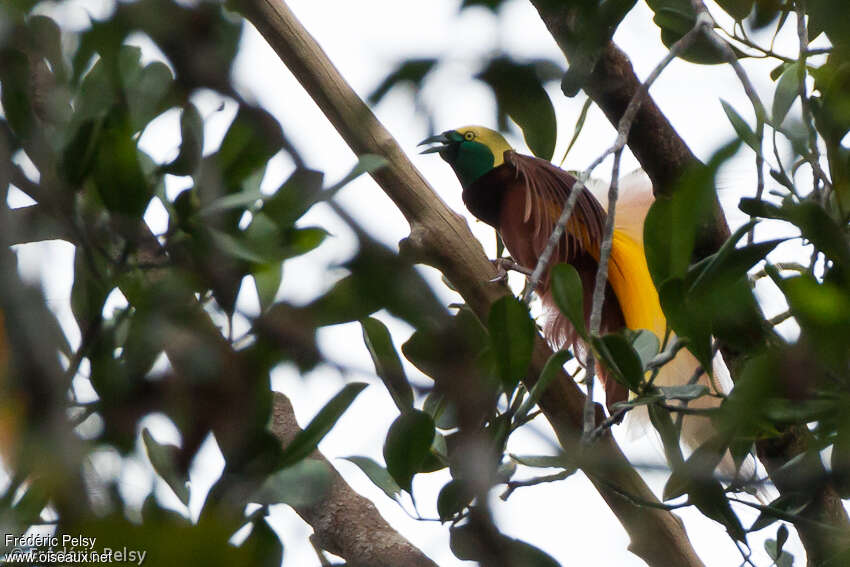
(344,522)
(441,238)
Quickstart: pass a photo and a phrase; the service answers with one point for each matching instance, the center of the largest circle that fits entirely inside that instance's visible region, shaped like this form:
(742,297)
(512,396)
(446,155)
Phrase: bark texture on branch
(441,238)
(345,523)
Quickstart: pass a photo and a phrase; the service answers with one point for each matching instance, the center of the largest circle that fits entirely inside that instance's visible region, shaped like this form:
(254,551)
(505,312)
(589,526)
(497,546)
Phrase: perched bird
(522,197)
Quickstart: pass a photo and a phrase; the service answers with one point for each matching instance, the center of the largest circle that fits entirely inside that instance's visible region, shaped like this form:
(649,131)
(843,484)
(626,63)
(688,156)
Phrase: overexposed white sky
(365,40)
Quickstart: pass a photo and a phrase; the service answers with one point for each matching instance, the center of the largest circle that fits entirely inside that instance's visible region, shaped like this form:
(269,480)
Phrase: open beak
(441,140)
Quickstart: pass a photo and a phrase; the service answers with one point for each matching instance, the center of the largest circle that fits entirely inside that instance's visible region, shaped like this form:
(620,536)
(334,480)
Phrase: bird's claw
(504,265)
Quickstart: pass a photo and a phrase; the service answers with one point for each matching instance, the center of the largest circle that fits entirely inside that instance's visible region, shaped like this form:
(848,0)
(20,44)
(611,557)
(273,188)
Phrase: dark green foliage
(377,474)
(568,295)
(387,362)
(407,445)
(411,72)
(511,339)
(677,17)
(519,92)
(307,440)
(76,104)
(467,544)
(620,358)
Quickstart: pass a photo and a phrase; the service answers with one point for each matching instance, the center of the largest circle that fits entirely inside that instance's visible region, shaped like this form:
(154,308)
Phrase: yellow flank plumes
(629,276)
(490,138)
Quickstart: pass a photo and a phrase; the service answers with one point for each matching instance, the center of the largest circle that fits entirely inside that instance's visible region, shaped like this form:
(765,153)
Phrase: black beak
(442,141)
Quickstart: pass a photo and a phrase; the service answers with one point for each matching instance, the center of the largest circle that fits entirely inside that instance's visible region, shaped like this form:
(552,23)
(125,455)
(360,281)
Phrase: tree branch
(612,84)
(442,239)
(665,157)
(345,523)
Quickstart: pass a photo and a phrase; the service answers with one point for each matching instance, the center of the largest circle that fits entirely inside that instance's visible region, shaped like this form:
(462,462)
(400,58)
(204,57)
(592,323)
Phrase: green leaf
(619,356)
(467,545)
(377,474)
(252,139)
(306,441)
(438,457)
(790,503)
(407,445)
(774,551)
(303,483)
(15,76)
(638,401)
(492,5)
(551,370)
(729,264)
(294,197)
(646,345)
(691,324)
(683,392)
(238,248)
(28,508)
(117,172)
(344,302)
(164,458)
(787,90)
(840,461)
(569,297)
(677,485)
(267,280)
(387,362)
(439,407)
(146,88)
(660,419)
(411,72)
(781,537)
(672,223)
(241,200)
(366,163)
(738,9)
(522,553)
(823,311)
(453,498)
(815,224)
(741,127)
(562,461)
(577,130)
(264,545)
(89,290)
(298,241)
(709,498)
(520,94)
(832,18)
(676,18)
(512,334)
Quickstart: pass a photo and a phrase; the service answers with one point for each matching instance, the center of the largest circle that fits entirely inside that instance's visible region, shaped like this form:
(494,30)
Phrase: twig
(554,238)
(513,485)
(777,319)
(623,128)
(667,355)
(788,517)
(624,125)
(648,504)
(610,422)
(813,157)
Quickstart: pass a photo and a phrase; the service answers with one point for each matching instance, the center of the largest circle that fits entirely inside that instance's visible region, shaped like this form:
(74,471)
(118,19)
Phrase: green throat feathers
(471,151)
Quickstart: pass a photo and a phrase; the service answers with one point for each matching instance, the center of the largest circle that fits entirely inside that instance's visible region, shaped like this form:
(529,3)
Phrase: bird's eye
(469,136)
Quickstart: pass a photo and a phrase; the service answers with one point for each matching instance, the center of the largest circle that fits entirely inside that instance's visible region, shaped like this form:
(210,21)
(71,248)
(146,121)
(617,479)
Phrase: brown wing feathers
(523,199)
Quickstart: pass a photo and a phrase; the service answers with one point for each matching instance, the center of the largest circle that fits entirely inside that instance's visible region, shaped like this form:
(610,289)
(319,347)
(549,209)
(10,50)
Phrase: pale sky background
(365,40)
